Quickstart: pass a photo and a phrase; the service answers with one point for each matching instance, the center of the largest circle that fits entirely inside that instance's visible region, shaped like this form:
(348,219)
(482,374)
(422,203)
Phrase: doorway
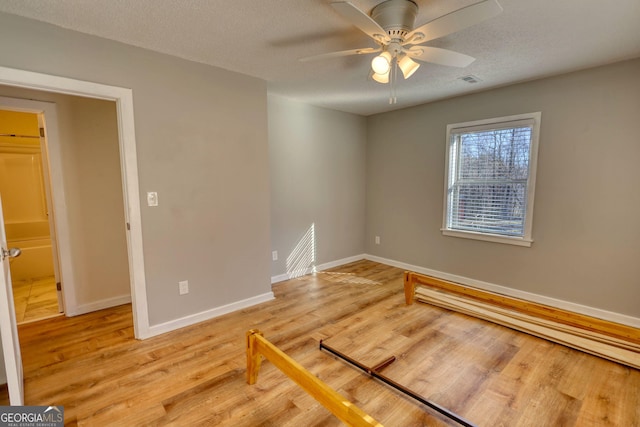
(123,102)
(24,184)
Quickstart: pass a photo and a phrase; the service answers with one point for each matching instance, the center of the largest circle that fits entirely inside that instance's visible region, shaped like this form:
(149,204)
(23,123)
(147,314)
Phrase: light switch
(152,198)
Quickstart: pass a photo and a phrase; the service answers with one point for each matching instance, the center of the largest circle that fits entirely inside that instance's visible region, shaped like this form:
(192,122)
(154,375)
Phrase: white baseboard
(281,278)
(97,305)
(515,293)
(337,263)
(319,267)
(207,315)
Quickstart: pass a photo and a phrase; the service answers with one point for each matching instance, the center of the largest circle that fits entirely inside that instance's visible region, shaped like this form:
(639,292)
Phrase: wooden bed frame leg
(409,288)
(253,356)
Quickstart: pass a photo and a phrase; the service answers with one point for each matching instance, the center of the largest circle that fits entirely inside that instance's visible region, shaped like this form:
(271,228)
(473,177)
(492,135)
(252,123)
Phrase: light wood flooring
(35,299)
(491,375)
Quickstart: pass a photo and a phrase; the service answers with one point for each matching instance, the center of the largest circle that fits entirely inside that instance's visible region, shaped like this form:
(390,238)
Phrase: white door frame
(123,98)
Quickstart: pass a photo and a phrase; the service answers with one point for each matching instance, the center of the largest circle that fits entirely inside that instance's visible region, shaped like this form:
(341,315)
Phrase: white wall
(317,165)
(201,135)
(585,226)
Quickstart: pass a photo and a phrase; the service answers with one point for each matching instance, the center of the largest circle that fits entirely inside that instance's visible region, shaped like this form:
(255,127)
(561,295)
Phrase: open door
(8,328)
(44,154)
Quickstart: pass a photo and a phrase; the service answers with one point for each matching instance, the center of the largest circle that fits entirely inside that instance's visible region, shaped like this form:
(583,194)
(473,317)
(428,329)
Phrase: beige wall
(585,226)
(317,166)
(96,217)
(88,139)
(201,135)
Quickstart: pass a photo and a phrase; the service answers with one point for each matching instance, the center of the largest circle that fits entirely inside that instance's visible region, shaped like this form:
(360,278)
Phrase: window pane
(489,169)
(495,155)
(489,208)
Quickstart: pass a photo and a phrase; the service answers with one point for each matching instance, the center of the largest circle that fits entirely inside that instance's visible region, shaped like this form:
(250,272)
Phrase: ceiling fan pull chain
(391,85)
(393,75)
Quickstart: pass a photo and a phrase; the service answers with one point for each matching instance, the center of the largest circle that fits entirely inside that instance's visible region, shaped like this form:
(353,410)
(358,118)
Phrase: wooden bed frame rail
(609,340)
(347,412)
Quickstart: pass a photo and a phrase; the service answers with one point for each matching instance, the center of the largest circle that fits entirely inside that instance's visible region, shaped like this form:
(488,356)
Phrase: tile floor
(35,299)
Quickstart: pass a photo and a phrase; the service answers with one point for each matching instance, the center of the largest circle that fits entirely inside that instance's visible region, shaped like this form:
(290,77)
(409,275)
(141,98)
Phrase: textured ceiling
(265,39)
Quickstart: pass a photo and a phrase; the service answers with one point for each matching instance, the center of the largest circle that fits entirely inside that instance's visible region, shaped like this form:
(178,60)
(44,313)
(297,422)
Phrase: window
(491,173)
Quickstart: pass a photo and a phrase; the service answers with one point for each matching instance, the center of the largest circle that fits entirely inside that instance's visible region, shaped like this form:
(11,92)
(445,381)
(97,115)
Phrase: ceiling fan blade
(341,53)
(361,20)
(455,21)
(439,56)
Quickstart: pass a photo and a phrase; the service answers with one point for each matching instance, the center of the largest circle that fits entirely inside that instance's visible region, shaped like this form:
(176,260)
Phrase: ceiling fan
(391,26)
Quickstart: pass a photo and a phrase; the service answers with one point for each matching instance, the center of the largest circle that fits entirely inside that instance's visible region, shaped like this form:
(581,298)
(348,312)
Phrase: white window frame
(489,124)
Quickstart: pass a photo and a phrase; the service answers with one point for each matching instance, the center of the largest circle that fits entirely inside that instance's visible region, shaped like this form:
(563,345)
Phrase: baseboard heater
(609,340)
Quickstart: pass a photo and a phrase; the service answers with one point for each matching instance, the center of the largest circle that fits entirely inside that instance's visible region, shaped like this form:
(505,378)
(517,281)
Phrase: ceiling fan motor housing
(397,17)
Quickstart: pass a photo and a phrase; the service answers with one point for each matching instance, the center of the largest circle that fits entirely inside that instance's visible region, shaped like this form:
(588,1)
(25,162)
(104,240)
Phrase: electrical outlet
(274,255)
(183,286)
(377,240)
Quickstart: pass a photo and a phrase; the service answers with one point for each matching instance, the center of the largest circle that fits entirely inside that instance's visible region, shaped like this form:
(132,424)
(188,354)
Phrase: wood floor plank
(487,373)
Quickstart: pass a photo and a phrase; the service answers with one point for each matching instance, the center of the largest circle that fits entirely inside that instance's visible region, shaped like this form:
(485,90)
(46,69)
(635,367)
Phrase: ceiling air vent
(470,79)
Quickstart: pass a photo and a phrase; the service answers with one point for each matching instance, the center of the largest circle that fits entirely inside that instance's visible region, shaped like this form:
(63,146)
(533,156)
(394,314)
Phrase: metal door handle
(11,253)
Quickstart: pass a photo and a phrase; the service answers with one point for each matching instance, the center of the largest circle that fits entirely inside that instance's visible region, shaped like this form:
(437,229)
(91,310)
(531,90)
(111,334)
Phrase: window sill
(495,238)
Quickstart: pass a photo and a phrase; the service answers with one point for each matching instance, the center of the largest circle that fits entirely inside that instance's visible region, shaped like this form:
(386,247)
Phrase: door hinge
(42,132)
(58,286)
(128,226)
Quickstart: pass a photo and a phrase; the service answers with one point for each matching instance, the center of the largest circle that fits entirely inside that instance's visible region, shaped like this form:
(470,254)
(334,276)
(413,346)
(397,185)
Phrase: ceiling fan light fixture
(381,77)
(408,66)
(391,24)
(381,64)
